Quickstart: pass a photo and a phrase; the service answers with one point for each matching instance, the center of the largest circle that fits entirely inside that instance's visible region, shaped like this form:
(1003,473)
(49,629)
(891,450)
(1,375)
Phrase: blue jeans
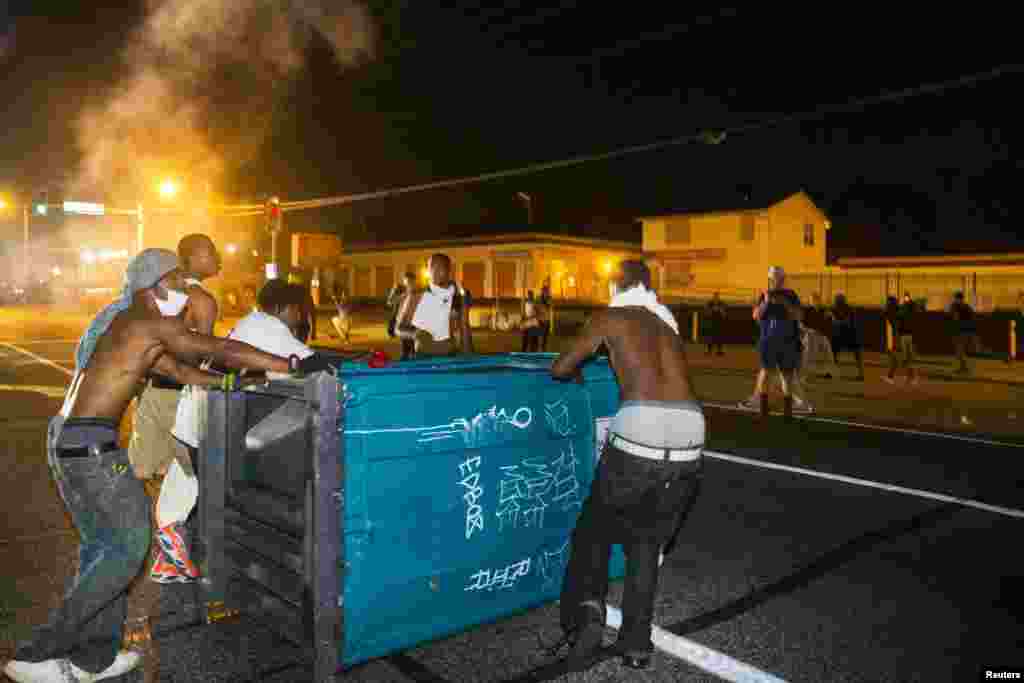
(111,512)
(640,504)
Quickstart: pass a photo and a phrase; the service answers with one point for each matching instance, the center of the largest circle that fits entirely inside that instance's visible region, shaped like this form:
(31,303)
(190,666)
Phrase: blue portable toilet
(444,493)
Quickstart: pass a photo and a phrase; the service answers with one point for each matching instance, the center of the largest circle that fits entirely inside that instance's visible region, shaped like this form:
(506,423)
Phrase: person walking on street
(900,316)
(964,330)
(532,326)
(778,313)
(395,298)
(715,312)
(816,328)
(649,473)
(846,333)
(544,304)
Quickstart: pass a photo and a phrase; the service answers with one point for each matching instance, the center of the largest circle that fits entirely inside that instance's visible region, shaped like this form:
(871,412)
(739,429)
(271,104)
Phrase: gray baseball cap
(147,268)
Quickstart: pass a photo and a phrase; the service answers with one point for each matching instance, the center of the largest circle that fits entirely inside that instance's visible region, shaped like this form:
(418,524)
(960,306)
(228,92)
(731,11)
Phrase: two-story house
(693,254)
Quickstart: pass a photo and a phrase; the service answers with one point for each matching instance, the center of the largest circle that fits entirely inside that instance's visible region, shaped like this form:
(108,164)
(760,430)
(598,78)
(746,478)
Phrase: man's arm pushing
(235,354)
(170,367)
(582,347)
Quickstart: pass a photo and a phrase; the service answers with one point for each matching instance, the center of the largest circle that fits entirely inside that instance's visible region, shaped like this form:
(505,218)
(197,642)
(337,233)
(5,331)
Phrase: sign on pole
(84,208)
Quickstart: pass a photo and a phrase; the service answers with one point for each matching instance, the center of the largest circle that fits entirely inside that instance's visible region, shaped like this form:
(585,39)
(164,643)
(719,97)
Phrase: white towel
(178,495)
(190,420)
(642,297)
(433,314)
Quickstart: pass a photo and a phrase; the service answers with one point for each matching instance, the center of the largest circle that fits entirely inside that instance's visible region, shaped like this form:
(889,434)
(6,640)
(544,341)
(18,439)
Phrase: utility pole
(528,200)
(25,219)
(275,224)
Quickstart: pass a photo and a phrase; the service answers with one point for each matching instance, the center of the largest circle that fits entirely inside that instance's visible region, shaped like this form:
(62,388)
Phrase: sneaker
(588,638)
(634,659)
(49,671)
(126,660)
(165,572)
(177,551)
(801,406)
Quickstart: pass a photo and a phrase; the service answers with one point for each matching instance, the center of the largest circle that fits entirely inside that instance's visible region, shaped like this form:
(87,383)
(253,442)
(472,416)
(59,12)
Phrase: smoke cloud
(203,80)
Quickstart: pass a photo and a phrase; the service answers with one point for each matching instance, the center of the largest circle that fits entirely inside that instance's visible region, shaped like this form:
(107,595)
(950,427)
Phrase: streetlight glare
(88,256)
(168,189)
(3,204)
(56,271)
(232,248)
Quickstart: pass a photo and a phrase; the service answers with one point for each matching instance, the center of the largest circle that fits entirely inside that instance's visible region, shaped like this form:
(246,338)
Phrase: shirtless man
(433,317)
(153,448)
(133,337)
(649,472)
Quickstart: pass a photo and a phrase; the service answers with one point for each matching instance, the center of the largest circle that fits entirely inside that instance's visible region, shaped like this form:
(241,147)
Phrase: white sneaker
(49,671)
(126,660)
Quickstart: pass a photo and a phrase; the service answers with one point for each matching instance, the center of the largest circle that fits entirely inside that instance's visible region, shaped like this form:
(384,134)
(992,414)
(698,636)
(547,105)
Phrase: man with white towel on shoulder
(649,474)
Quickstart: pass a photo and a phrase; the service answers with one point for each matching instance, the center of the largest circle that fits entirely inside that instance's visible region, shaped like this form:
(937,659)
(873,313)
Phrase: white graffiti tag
(470,472)
(485,422)
(557,415)
(528,489)
(522,495)
(487,579)
(552,565)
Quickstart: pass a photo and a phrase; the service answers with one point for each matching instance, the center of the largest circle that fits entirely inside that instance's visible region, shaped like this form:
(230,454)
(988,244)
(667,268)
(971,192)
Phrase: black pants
(532,337)
(641,504)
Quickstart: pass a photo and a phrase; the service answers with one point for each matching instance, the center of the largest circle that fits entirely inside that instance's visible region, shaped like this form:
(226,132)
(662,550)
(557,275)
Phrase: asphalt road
(797,575)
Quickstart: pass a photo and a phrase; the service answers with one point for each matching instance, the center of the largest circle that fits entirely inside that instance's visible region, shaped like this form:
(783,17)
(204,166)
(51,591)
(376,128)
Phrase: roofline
(518,238)
(937,260)
(719,212)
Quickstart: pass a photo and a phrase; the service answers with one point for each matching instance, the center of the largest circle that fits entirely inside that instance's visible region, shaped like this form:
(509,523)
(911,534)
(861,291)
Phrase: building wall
(577,272)
(730,252)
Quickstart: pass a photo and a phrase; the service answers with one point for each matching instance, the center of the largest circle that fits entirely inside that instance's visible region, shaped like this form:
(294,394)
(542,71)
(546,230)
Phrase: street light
(232,248)
(168,190)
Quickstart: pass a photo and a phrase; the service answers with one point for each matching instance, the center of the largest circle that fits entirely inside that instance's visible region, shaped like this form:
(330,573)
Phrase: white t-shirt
(269,334)
(258,329)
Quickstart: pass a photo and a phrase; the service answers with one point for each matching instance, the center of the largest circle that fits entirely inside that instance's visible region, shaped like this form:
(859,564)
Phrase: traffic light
(273,214)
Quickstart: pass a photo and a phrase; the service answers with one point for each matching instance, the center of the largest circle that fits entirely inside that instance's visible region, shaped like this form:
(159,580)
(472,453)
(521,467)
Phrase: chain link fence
(986,292)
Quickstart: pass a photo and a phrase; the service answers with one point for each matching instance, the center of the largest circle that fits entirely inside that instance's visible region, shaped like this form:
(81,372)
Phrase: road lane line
(701,656)
(45,341)
(920,493)
(44,361)
(881,428)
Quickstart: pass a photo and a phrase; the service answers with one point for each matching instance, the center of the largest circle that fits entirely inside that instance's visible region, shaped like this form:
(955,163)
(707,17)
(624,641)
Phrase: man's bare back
(648,357)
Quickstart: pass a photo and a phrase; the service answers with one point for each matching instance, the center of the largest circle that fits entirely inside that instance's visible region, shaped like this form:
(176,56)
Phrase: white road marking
(880,428)
(44,361)
(920,493)
(31,342)
(701,656)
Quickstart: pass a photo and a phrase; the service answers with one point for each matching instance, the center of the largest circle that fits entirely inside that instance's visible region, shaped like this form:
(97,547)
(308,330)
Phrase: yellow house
(503,266)
(694,254)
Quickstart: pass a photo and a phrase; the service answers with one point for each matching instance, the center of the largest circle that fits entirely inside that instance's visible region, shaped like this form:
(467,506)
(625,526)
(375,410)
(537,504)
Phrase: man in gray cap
(134,336)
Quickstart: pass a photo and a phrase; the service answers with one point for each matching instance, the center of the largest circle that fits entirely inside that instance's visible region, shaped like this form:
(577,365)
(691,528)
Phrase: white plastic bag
(178,496)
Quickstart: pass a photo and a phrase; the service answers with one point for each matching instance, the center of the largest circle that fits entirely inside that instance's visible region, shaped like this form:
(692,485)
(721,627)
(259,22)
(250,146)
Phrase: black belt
(159,382)
(86,451)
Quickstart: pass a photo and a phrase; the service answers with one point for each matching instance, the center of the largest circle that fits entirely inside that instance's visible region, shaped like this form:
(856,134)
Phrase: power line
(713,136)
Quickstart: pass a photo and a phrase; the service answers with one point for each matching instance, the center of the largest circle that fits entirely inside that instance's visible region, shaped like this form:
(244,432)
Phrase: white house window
(809,234)
(678,231)
(747,228)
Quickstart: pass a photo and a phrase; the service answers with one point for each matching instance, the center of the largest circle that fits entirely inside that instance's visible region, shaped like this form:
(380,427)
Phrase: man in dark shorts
(965,330)
(136,335)
(715,312)
(434,317)
(778,313)
(649,473)
(846,333)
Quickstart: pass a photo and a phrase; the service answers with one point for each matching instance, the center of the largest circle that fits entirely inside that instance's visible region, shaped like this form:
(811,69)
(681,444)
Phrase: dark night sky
(460,91)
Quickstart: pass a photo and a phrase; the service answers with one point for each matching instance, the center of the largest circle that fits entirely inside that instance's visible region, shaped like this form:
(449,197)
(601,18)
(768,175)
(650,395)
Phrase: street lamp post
(528,200)
(25,220)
